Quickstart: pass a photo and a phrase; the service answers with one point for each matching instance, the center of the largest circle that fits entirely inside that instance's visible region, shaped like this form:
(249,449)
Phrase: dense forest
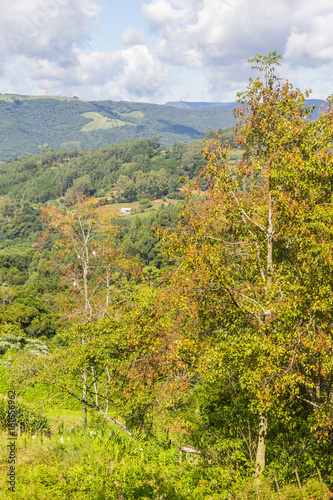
(128,171)
(134,169)
(31,123)
(183,351)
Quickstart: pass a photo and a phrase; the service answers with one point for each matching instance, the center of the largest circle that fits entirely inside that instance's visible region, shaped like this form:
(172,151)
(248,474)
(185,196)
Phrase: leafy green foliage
(20,223)
(101,463)
(138,238)
(131,170)
(145,203)
(256,268)
(223,340)
(30,420)
(227,136)
(27,315)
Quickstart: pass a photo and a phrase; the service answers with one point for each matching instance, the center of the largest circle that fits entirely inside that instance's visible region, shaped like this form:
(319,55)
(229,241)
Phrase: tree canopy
(256,263)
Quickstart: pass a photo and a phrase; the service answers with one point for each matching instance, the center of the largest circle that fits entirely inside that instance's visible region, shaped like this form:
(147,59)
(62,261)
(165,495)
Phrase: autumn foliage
(231,348)
(255,259)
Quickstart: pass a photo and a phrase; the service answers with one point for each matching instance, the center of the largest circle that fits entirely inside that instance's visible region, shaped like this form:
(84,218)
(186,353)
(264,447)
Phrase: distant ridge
(29,124)
(202,105)
(231,105)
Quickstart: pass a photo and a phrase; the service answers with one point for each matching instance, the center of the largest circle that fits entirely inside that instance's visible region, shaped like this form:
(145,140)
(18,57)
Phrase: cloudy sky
(160,50)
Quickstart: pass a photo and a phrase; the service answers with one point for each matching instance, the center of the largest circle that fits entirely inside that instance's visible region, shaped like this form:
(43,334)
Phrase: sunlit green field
(100,122)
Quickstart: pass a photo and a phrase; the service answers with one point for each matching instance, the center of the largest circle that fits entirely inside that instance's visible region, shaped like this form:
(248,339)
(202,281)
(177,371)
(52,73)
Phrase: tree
(8,208)
(256,265)
(93,268)
(84,255)
(126,189)
(92,354)
(83,185)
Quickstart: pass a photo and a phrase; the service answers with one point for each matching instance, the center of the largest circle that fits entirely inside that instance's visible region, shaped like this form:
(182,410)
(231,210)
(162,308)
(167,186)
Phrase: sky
(161,50)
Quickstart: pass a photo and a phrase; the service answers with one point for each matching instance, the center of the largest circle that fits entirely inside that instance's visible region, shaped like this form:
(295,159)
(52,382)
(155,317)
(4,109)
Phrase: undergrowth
(101,463)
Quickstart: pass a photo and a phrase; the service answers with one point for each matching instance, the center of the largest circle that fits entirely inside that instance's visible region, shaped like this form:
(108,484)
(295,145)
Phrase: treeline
(20,223)
(27,124)
(225,135)
(138,239)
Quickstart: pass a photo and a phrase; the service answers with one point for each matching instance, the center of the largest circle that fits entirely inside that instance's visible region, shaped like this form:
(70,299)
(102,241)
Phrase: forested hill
(29,123)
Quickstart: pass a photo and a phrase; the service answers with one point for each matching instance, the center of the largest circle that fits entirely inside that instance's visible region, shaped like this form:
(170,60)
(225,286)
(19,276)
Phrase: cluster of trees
(28,289)
(18,221)
(32,293)
(134,169)
(227,136)
(257,273)
(233,343)
(138,238)
(32,178)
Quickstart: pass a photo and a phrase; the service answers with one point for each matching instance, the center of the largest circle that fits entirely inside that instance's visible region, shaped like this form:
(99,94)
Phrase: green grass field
(100,122)
(101,462)
(114,208)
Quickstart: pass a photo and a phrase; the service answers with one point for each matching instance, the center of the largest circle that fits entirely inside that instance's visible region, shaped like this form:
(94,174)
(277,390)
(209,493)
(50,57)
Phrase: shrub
(145,203)
(30,420)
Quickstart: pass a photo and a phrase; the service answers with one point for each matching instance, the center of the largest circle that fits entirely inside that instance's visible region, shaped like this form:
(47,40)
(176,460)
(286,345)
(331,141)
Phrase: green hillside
(180,349)
(29,123)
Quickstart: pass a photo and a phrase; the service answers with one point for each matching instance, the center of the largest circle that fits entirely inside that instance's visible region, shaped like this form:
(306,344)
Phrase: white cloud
(128,74)
(45,28)
(310,42)
(132,37)
(47,44)
(162,15)
(218,36)
(143,75)
(89,69)
(217,29)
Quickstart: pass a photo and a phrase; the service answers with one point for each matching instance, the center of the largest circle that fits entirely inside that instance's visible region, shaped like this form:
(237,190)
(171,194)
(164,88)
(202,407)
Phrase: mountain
(31,123)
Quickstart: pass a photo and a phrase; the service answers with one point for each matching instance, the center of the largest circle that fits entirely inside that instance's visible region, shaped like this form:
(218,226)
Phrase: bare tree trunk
(84,398)
(270,240)
(114,421)
(84,372)
(261,448)
(107,391)
(330,390)
(95,386)
(262,438)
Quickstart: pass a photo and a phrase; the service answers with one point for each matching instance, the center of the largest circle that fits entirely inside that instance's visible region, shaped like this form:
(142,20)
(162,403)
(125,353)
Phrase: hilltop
(31,123)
